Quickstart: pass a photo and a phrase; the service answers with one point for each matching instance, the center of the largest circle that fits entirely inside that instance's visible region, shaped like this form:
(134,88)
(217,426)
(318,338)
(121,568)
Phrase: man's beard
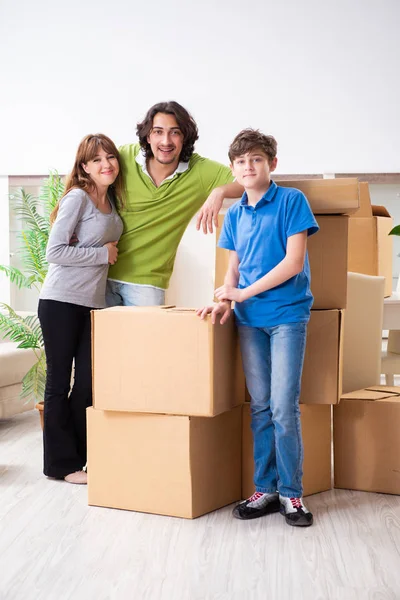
(164,160)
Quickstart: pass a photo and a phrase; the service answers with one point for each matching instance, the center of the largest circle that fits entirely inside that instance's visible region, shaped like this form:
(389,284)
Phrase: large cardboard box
(370,245)
(366,427)
(322,371)
(316,425)
(327,252)
(328,196)
(168,465)
(165,360)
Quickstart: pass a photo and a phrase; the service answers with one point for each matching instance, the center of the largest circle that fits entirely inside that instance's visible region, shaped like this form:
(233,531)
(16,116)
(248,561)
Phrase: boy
(268,278)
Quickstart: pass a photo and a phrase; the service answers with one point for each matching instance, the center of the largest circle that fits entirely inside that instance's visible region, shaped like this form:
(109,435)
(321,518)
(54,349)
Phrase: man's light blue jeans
(273,363)
(132,294)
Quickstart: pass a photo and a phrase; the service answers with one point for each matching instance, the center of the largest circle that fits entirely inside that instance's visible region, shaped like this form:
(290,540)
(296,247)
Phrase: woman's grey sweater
(78,272)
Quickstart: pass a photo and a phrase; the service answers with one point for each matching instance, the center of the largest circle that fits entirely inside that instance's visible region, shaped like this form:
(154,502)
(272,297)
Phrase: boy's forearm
(285,270)
(231,278)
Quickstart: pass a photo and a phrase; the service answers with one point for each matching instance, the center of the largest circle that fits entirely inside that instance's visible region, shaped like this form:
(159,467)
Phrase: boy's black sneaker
(256,506)
(295,512)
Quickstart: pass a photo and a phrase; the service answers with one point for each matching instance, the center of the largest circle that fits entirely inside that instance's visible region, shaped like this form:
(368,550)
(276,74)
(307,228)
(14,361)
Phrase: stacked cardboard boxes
(164,433)
(370,246)
(322,374)
(365,422)
(168,434)
(366,440)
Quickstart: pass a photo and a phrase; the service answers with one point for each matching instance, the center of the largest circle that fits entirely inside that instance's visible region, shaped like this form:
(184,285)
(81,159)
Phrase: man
(166,184)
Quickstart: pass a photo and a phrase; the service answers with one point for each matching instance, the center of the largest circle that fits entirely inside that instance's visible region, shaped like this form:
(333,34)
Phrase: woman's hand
(228,292)
(112,252)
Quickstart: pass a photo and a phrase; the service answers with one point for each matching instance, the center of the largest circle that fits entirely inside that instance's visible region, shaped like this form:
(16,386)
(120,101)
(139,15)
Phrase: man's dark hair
(249,140)
(185,121)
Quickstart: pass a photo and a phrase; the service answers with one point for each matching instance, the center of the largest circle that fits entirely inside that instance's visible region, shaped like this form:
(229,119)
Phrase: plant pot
(40,408)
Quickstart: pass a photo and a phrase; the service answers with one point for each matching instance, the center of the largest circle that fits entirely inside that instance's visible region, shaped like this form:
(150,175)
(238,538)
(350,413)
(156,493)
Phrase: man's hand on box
(221,308)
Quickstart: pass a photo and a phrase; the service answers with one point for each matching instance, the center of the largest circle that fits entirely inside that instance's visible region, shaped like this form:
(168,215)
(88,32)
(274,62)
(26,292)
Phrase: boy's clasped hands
(228,292)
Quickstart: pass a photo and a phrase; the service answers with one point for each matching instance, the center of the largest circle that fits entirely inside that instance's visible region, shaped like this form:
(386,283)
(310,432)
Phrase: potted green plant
(34,212)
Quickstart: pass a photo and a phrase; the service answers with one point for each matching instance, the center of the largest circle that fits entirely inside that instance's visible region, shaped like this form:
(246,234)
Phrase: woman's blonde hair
(78,178)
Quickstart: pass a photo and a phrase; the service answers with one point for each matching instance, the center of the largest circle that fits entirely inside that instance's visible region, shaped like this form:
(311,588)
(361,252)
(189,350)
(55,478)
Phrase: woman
(82,244)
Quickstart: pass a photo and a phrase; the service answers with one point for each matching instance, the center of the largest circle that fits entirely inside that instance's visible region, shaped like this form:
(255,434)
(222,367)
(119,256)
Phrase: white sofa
(14,364)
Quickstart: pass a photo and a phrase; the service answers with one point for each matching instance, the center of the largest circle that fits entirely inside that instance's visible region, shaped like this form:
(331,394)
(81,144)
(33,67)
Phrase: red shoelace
(255,496)
(296,502)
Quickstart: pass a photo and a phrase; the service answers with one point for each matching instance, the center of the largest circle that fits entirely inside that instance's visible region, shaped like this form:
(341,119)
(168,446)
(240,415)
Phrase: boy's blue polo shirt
(259,236)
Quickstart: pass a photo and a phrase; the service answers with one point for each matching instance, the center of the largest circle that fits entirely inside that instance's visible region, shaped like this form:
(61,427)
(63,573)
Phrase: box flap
(395,389)
(368,394)
(380,211)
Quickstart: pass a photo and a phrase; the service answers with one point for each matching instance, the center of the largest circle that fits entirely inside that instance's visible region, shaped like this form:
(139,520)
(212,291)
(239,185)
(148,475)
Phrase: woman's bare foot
(79,477)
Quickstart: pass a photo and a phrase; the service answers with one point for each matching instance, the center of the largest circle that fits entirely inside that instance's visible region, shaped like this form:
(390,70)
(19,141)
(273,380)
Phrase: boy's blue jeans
(273,362)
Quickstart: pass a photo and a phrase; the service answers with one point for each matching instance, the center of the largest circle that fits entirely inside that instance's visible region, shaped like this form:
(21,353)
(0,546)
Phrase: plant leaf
(34,382)
(51,191)
(25,331)
(17,277)
(395,230)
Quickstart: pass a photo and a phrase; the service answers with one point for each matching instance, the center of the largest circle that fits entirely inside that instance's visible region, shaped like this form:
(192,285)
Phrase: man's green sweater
(155,218)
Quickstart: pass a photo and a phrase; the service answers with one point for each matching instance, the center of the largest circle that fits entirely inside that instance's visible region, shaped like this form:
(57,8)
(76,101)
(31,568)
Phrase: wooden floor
(54,547)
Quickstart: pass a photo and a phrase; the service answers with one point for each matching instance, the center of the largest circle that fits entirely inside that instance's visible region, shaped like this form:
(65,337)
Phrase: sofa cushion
(14,363)
(11,402)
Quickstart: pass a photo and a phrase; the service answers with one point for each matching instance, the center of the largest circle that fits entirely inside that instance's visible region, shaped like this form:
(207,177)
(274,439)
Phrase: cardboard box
(164,360)
(316,425)
(221,258)
(168,465)
(365,209)
(327,252)
(366,427)
(328,196)
(322,371)
(370,245)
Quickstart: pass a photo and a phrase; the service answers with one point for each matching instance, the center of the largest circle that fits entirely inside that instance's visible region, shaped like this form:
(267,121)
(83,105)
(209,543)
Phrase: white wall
(322,77)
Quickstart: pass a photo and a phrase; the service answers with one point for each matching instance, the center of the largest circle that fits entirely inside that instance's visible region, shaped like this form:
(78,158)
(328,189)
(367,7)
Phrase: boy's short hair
(249,140)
